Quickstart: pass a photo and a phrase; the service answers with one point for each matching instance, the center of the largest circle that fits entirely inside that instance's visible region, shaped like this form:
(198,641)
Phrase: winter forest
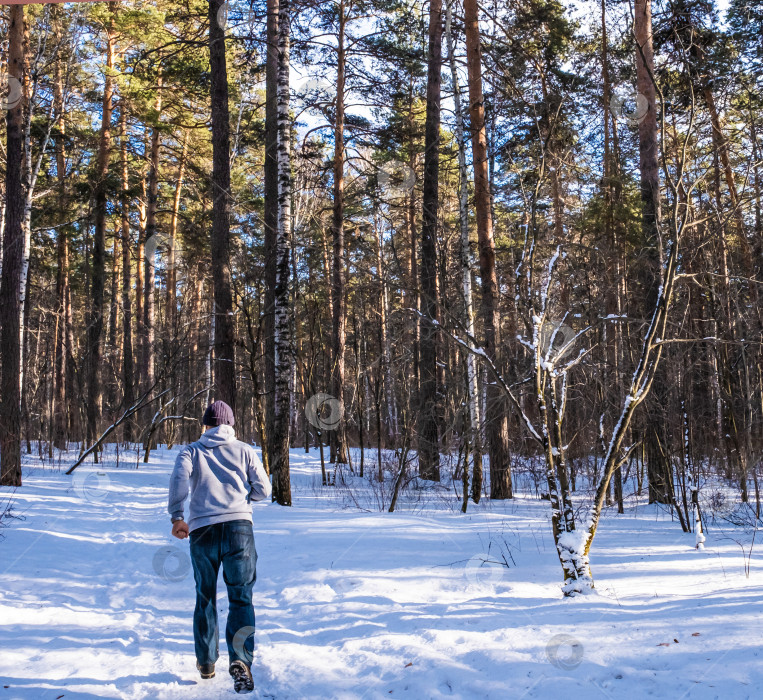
(491,267)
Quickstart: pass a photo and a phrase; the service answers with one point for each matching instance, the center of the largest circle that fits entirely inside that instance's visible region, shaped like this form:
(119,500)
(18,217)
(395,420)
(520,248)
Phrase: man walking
(223,475)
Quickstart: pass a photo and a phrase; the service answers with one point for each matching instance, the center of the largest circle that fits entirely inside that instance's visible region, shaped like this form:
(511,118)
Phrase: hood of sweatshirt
(214,437)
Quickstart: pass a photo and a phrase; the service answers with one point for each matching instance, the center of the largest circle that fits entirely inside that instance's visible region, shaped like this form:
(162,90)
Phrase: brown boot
(242,677)
(206,670)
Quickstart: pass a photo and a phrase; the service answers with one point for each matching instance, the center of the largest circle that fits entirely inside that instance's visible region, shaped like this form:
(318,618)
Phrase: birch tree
(282,297)
(552,349)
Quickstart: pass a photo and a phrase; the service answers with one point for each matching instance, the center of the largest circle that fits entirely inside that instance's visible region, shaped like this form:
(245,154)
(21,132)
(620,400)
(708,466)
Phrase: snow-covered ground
(96,599)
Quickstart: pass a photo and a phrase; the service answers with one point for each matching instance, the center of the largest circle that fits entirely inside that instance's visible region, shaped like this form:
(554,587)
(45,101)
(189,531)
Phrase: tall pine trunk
(95,330)
(338,300)
(466,272)
(271,226)
(13,253)
(63,303)
(658,464)
(614,271)
(224,341)
(495,416)
(429,405)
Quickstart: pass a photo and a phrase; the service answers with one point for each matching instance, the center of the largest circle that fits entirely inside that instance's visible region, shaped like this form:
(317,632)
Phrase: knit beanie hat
(218,413)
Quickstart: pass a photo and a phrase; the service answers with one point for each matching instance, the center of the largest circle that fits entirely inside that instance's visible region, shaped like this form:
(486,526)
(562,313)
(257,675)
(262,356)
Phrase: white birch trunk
(699,535)
(210,350)
(392,423)
(31,171)
(284,357)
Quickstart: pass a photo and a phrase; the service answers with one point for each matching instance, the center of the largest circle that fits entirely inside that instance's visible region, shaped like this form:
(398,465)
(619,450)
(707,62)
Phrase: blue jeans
(232,545)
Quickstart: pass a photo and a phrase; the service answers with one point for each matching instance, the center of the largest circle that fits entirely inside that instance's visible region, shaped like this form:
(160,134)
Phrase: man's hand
(180,529)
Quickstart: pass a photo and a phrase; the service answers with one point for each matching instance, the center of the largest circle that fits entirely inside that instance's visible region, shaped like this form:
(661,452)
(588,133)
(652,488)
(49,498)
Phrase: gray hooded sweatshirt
(224,476)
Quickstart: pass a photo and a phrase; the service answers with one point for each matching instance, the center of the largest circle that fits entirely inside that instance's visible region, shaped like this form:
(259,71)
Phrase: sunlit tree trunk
(172,252)
(114,297)
(140,268)
(63,297)
(495,417)
(95,330)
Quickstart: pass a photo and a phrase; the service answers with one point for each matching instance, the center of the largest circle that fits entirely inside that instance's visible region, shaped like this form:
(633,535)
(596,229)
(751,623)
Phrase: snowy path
(366,605)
